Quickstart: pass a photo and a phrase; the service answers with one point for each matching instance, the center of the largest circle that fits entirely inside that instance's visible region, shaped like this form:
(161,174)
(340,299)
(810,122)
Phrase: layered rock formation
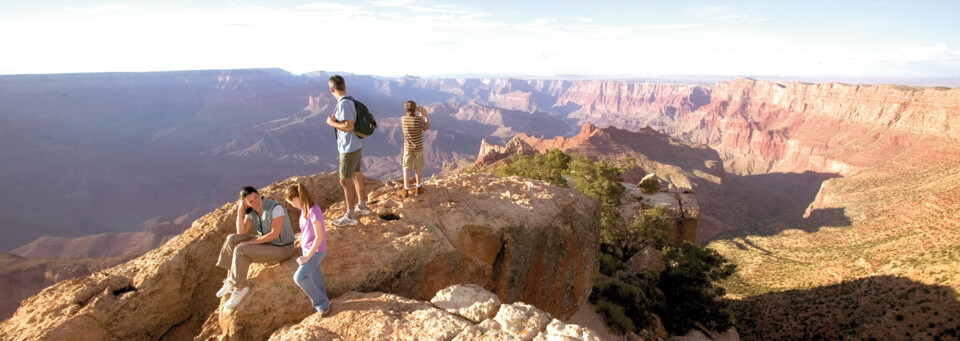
(523,240)
(763,126)
(101,245)
(490,153)
(377,316)
(633,105)
(21,278)
(213,129)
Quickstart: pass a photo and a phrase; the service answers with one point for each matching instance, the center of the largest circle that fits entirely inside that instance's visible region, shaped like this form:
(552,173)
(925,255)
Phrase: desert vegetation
(681,295)
(873,308)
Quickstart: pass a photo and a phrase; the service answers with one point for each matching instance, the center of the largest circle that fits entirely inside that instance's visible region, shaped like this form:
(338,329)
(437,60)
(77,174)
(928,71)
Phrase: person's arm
(243,223)
(426,120)
(317,231)
(346,125)
(275,226)
(348,114)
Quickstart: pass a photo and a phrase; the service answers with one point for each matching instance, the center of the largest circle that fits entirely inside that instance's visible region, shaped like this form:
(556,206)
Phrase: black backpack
(365,123)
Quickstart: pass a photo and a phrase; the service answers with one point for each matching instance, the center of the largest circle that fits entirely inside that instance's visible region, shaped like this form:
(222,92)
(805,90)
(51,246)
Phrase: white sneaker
(225,289)
(236,297)
(344,221)
(361,211)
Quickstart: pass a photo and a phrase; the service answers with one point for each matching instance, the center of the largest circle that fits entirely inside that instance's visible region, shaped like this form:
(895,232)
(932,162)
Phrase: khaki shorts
(413,160)
(350,163)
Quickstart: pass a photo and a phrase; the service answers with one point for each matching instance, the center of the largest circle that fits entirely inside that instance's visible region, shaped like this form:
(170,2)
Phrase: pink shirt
(307,236)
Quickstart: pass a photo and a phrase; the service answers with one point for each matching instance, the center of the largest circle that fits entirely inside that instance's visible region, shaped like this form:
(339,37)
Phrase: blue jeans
(310,280)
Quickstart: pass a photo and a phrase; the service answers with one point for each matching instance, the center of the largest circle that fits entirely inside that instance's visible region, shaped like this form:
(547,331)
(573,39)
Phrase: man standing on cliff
(350,146)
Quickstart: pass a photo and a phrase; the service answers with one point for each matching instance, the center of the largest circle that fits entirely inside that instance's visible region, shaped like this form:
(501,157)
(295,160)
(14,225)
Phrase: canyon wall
(762,126)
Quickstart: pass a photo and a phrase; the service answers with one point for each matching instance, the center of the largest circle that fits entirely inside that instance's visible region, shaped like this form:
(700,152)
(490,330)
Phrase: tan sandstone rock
(679,206)
(376,316)
(490,153)
(379,316)
(469,301)
(522,320)
(523,240)
(488,330)
(559,331)
(165,293)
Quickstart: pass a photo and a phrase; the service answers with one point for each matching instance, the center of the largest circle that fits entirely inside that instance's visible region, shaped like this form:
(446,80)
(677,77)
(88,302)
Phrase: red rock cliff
(763,126)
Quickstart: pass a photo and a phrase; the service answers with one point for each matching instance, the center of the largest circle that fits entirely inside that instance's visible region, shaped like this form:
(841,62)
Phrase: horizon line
(949,81)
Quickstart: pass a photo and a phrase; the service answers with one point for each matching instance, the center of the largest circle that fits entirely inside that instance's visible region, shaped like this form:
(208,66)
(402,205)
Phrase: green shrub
(610,264)
(548,167)
(690,293)
(653,228)
(622,306)
(614,317)
(601,181)
(650,184)
(649,228)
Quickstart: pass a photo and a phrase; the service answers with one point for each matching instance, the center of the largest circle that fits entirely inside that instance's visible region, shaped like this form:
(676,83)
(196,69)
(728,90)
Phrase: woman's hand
(303,259)
(241,206)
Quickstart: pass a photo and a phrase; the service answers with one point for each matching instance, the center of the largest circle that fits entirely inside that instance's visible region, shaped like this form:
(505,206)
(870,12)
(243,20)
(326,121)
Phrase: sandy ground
(587,316)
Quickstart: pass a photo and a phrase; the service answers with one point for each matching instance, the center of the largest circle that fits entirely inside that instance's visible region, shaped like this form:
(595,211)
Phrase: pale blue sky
(894,39)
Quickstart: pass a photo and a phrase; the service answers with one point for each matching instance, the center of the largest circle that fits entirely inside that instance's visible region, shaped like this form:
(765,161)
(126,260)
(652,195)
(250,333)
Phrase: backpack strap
(336,134)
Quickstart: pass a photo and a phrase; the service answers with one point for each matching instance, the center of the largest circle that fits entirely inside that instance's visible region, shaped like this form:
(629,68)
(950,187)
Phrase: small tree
(690,293)
(653,228)
(601,181)
(625,301)
(648,228)
(548,167)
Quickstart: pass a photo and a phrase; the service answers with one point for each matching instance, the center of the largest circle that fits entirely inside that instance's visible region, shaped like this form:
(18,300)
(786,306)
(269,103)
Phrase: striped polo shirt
(412,132)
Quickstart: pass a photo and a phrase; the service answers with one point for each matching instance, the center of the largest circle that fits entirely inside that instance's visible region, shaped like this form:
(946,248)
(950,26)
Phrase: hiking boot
(344,221)
(361,211)
(403,193)
(419,190)
(225,289)
(325,312)
(236,297)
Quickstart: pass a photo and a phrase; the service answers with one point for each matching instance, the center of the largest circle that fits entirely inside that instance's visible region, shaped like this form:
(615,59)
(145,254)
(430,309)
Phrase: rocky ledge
(459,313)
(523,240)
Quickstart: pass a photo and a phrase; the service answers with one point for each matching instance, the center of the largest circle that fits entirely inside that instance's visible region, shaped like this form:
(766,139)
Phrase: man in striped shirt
(413,126)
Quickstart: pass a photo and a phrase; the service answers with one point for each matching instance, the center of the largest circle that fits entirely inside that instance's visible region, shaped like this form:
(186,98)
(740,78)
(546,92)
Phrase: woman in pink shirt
(313,240)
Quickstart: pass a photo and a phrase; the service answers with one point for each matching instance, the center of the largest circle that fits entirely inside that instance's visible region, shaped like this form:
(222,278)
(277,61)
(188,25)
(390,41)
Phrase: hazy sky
(429,38)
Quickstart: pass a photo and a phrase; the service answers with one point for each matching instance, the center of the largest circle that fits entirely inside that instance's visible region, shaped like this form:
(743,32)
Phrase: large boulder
(523,240)
(490,153)
(648,259)
(469,301)
(376,316)
(679,205)
(380,316)
(166,293)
